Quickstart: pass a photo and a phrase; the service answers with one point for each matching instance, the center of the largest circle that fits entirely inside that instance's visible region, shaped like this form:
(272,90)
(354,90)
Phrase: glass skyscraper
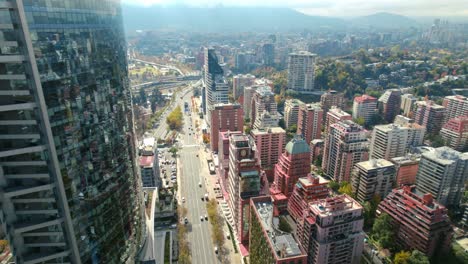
(69,187)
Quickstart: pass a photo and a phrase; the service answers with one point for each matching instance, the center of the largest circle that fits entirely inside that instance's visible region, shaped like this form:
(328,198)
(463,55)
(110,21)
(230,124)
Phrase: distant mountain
(384,20)
(223,19)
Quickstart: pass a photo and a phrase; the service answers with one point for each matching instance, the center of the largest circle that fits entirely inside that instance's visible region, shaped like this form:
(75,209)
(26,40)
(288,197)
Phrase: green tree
(333,185)
(360,121)
(174,151)
(383,232)
(292,128)
(284,225)
(143,97)
(346,188)
(402,257)
(417,257)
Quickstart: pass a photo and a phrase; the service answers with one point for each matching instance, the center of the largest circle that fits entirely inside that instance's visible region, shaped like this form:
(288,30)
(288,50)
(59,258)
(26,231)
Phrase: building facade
(375,177)
(216,86)
(270,143)
(455,106)
(365,107)
(430,115)
(307,189)
(335,115)
(345,145)
(291,111)
(331,231)
(407,104)
(442,172)
(420,222)
(301,71)
(309,123)
(292,165)
(329,99)
(455,133)
(406,169)
(225,117)
(389,104)
(70,185)
(239,82)
(263,100)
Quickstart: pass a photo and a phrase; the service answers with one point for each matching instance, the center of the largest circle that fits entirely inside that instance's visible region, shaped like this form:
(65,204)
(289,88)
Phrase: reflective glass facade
(67,161)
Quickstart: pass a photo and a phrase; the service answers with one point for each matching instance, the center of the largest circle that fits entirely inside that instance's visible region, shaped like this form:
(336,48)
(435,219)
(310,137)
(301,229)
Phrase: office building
(306,190)
(263,100)
(70,185)
(420,222)
(455,106)
(430,115)
(216,86)
(270,143)
(292,165)
(375,177)
(395,140)
(389,104)
(455,133)
(335,115)
(345,145)
(331,231)
(301,71)
(309,123)
(268,243)
(406,169)
(291,111)
(243,182)
(407,103)
(329,99)
(365,107)
(443,172)
(239,82)
(268,54)
(225,117)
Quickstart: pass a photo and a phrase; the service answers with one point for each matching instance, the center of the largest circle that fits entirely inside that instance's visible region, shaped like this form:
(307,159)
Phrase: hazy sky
(337,7)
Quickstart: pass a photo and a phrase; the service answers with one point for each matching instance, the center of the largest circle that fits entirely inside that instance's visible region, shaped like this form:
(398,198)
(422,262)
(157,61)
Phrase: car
(197,155)
(183,199)
(199,184)
(206,217)
(189,134)
(216,250)
(206,197)
(185,220)
(228,236)
(201,218)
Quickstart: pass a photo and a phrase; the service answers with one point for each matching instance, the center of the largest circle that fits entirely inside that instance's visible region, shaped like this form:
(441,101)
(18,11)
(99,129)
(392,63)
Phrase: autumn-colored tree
(402,257)
(175,119)
(346,188)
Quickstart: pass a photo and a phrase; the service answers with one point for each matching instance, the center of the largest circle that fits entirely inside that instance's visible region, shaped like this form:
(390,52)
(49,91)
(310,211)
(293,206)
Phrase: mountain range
(243,19)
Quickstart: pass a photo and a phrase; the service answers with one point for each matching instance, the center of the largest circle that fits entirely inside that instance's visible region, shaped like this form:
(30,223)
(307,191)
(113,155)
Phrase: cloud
(335,7)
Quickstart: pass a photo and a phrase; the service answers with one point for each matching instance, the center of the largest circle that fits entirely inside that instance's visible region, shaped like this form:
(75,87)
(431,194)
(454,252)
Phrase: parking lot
(168,168)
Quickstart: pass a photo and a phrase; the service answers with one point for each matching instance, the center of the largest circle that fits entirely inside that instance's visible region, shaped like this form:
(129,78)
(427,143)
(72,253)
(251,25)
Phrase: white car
(201,218)
(199,184)
(183,199)
(206,217)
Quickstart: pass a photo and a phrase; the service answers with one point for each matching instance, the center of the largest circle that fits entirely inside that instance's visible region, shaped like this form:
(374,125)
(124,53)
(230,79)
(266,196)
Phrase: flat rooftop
(445,155)
(374,164)
(146,161)
(265,131)
(334,205)
(282,242)
(308,181)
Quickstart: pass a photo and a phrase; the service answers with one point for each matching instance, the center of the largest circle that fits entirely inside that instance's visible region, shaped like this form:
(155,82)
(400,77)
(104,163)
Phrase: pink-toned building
(309,123)
(365,107)
(223,159)
(306,190)
(292,165)
(406,169)
(330,99)
(243,183)
(316,150)
(269,244)
(455,133)
(345,145)
(335,115)
(455,105)
(429,114)
(322,234)
(270,143)
(225,117)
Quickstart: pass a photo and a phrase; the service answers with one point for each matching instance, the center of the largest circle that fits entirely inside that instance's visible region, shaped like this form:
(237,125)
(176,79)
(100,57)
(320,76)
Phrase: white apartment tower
(301,71)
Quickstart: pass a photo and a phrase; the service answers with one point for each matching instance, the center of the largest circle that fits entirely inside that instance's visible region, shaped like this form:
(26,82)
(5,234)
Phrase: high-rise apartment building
(420,222)
(306,190)
(301,71)
(268,244)
(406,169)
(443,173)
(335,115)
(331,231)
(309,123)
(375,177)
(223,159)
(407,103)
(430,115)
(455,133)
(389,104)
(345,145)
(292,165)
(243,182)
(455,106)
(70,186)
(225,117)
(291,111)
(216,86)
(239,82)
(329,99)
(268,54)
(365,107)
(248,94)
(263,100)
(270,143)
(395,140)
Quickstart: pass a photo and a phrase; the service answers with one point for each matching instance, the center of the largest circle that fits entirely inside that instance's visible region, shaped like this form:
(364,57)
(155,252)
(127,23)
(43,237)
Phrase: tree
(417,257)
(175,119)
(292,128)
(383,232)
(143,97)
(333,185)
(206,139)
(402,257)
(174,151)
(247,130)
(360,121)
(284,225)
(346,188)
(281,123)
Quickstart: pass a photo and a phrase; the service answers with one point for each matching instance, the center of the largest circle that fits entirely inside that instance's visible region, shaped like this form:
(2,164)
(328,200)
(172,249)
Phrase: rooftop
(445,155)
(297,146)
(334,204)
(146,161)
(264,91)
(309,180)
(265,131)
(375,164)
(364,99)
(408,159)
(431,104)
(284,244)
(338,112)
(303,53)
